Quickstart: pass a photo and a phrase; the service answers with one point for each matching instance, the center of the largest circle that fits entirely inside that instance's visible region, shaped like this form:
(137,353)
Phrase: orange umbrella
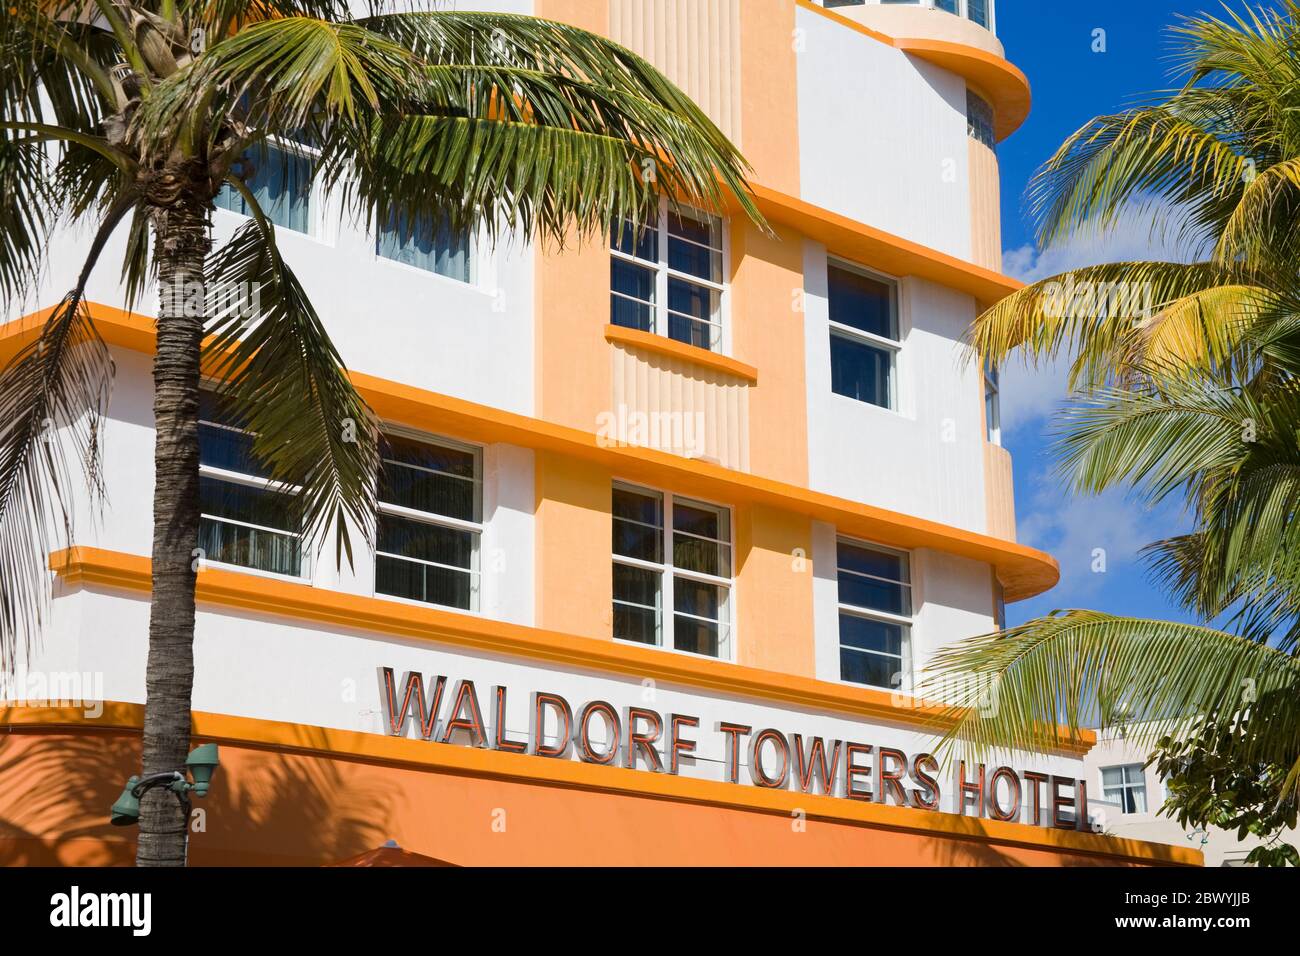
(390,854)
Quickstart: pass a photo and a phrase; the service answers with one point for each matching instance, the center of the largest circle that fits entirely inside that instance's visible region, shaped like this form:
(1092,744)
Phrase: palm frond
(1116,317)
(1157,439)
(523,70)
(53,395)
(1076,669)
(280,375)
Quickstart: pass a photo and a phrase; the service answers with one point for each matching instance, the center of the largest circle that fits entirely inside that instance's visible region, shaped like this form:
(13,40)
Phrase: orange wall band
(353,746)
(216,586)
(1023,571)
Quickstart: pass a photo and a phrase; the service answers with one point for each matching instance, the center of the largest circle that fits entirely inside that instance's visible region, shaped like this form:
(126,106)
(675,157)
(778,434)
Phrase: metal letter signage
(641,738)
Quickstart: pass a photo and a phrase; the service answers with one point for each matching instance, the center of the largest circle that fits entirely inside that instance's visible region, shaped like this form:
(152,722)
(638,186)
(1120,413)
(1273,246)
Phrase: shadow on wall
(970,853)
(264,808)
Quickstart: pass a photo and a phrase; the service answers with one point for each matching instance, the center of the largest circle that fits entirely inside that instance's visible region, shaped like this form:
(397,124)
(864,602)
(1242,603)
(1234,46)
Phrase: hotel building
(669,525)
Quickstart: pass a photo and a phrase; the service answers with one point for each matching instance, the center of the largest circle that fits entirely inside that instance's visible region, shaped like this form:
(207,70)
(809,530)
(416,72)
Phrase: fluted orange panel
(697,45)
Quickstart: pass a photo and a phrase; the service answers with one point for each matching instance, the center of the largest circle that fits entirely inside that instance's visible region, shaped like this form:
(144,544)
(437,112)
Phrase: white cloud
(1091,537)
(1031,394)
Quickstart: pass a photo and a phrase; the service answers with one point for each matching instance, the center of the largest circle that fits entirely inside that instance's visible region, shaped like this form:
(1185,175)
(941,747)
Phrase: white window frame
(993,389)
(443,521)
(476,268)
(906,662)
(314,230)
(263,484)
(892,347)
(1126,786)
(667,613)
(663,273)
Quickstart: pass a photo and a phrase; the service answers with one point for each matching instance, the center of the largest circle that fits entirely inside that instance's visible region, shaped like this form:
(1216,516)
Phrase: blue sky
(1053,43)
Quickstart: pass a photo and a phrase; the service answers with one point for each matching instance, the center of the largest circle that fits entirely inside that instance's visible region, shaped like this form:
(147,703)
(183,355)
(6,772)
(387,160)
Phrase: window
(992,405)
(244,519)
(875,606)
(666,277)
(1125,785)
(420,244)
(692,576)
(864,335)
(429,523)
(979,121)
(281,184)
(977,10)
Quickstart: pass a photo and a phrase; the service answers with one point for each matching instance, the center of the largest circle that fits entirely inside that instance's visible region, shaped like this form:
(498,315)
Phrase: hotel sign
(646,739)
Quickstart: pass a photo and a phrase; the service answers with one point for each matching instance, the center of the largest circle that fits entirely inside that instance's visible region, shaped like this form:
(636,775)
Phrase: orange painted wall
(269,808)
(574,582)
(774,591)
(769,95)
(767,332)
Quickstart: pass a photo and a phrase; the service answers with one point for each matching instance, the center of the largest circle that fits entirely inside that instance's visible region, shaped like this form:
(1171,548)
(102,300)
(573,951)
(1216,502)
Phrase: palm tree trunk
(182,245)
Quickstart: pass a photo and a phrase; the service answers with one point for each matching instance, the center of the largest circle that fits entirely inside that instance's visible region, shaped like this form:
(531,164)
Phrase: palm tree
(1189,388)
(134,113)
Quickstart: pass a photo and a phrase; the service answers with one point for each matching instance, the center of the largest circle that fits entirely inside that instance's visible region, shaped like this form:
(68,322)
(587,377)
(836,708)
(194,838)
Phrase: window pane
(702,556)
(704,230)
(880,564)
(632,280)
(220,447)
(701,334)
(418,243)
(423,582)
(259,506)
(861,302)
(432,478)
(636,585)
(949,6)
(636,240)
(868,635)
(637,604)
(427,542)
(281,184)
(695,247)
(272,551)
(1137,799)
(860,371)
(978,10)
(638,525)
(697,637)
(876,595)
(632,307)
(979,120)
(693,301)
(698,599)
(693,312)
(636,624)
(870,669)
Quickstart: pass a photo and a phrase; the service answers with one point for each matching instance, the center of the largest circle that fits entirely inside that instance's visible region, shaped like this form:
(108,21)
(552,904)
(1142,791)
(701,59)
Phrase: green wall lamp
(202,763)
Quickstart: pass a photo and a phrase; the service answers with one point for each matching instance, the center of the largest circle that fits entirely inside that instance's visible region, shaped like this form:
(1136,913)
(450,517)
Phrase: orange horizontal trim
(1022,571)
(216,586)
(349,745)
(874,247)
(1004,85)
(680,350)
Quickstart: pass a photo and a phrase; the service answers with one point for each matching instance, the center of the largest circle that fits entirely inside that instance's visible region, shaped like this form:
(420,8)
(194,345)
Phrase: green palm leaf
(1084,668)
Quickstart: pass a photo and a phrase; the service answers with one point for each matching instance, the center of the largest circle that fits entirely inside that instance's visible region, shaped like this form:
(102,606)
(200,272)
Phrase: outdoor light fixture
(202,763)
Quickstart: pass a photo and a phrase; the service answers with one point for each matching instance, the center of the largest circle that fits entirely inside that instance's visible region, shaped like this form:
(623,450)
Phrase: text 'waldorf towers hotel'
(669,524)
